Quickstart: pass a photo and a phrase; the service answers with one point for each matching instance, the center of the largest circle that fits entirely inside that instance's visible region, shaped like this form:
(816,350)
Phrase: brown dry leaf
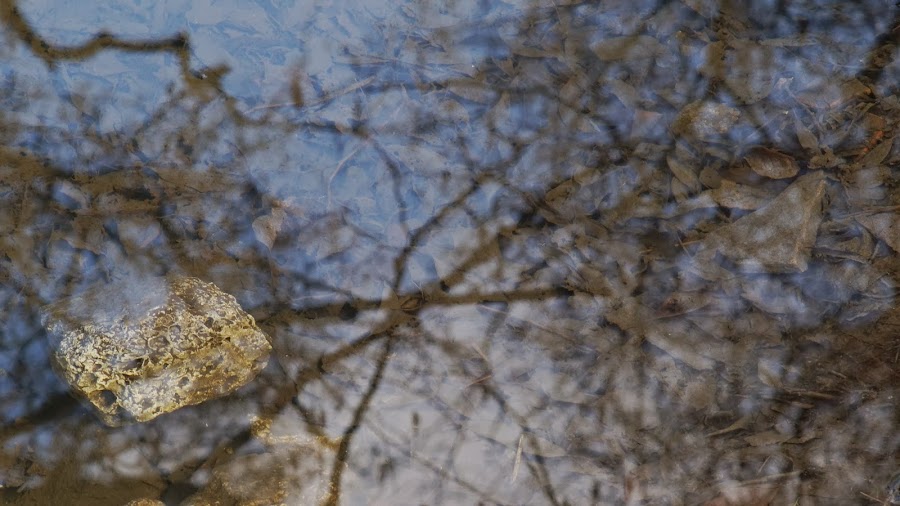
(763,329)
(292,206)
(796,41)
(769,373)
(776,238)
(137,232)
(77,198)
(266,228)
(676,337)
(833,95)
(877,155)
(824,159)
(772,164)
(589,466)
(769,437)
(680,303)
(772,296)
(804,438)
(628,48)
(680,192)
(177,180)
(730,195)
(452,110)
(859,247)
(667,372)
(87,233)
(739,424)
(502,112)
(885,226)
(19,249)
(113,203)
(573,89)
(736,196)
(806,137)
(646,124)
(472,90)
(683,173)
(867,186)
(740,495)
(704,120)
(712,58)
(683,347)
(626,93)
(700,394)
(678,340)
(750,70)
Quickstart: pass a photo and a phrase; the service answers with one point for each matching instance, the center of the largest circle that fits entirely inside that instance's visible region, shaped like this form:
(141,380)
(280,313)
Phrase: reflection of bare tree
(51,54)
(505,282)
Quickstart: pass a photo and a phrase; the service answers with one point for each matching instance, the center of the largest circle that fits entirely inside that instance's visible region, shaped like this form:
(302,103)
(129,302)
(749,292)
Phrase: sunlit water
(569,253)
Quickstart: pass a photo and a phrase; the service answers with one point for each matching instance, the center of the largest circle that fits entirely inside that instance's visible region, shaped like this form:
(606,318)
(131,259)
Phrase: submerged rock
(138,349)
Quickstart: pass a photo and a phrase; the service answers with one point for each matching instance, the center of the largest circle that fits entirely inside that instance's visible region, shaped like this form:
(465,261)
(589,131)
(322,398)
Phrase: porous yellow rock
(136,349)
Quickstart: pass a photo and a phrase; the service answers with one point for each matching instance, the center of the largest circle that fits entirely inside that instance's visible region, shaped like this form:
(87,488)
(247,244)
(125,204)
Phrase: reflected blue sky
(499,233)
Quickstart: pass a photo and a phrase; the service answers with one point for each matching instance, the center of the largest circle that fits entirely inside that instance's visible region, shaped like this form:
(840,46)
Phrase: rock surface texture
(139,348)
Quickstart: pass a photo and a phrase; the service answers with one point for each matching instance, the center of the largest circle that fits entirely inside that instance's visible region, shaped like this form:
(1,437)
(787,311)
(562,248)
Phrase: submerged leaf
(772,164)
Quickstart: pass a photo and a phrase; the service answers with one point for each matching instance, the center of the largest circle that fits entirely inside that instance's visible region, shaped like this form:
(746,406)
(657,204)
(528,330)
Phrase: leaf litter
(705,265)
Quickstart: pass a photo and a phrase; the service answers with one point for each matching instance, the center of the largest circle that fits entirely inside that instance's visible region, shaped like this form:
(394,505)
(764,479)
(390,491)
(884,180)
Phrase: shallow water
(506,252)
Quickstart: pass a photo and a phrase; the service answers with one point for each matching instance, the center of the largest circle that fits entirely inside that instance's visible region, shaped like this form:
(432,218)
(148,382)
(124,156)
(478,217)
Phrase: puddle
(504,254)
